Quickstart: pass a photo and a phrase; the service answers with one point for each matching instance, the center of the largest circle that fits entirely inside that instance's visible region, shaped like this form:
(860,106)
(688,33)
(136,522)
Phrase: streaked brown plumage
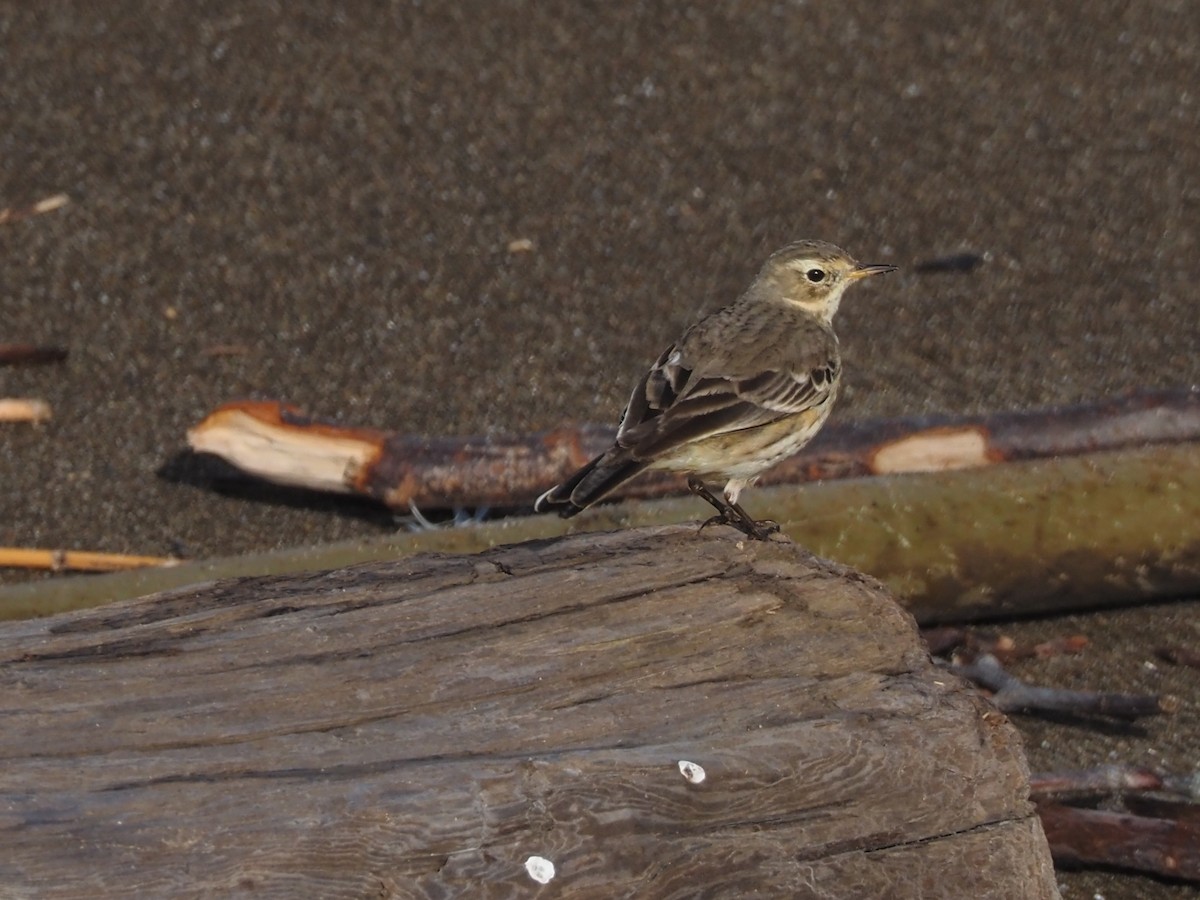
(742,389)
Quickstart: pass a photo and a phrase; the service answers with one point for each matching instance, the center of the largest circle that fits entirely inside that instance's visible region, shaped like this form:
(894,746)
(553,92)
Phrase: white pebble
(693,772)
(540,869)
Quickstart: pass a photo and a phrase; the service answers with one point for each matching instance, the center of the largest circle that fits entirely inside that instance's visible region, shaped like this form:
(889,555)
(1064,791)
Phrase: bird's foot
(756,530)
(762,529)
(732,514)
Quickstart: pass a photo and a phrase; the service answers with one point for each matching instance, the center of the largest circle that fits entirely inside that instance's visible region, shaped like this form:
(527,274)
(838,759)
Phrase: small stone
(693,772)
(540,869)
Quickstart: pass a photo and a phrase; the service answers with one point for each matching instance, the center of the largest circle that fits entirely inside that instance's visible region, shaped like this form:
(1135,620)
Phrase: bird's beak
(866,269)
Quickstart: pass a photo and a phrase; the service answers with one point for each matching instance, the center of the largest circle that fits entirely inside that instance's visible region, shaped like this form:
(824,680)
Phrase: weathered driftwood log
(277,442)
(1031,537)
(656,713)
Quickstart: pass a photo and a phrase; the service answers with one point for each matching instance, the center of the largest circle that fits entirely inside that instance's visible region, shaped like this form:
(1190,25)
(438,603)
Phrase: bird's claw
(755,530)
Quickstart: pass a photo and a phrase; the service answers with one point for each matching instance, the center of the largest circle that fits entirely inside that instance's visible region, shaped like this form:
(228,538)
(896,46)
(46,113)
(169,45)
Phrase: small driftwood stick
(77,560)
(1011,694)
(1157,831)
(943,639)
(1092,837)
(1102,781)
(954,263)
(18,410)
(15,214)
(30,354)
(278,443)
(1180,656)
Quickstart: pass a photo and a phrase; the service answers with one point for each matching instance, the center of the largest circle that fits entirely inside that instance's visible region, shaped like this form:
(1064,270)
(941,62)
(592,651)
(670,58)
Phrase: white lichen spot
(540,869)
(693,772)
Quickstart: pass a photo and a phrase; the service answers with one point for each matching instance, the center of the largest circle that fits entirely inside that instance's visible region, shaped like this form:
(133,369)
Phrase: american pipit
(741,390)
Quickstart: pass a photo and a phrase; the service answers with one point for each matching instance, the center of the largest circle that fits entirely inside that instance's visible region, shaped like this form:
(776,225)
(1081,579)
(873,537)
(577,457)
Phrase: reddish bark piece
(1089,837)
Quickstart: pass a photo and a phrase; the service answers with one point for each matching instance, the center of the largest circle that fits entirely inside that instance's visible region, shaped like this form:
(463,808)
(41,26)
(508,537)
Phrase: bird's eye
(816,276)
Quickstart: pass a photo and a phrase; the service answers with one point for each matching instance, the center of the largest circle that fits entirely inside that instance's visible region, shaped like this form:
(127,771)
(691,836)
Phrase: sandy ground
(317,205)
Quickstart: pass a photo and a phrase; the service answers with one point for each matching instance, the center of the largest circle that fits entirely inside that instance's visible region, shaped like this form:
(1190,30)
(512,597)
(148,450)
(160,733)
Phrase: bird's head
(812,275)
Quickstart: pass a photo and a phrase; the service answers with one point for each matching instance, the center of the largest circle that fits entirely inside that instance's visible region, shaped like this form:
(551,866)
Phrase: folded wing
(672,406)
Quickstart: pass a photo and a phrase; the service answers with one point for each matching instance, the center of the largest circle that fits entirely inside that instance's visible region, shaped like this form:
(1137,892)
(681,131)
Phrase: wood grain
(419,728)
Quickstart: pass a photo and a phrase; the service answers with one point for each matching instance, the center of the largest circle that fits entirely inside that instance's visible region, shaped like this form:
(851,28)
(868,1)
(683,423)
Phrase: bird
(742,389)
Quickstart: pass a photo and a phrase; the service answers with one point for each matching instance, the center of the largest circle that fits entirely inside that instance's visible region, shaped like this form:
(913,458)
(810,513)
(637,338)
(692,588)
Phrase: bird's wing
(654,394)
(671,406)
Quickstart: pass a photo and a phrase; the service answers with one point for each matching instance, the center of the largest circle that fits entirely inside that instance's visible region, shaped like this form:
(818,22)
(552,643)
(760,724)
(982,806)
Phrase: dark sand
(334,188)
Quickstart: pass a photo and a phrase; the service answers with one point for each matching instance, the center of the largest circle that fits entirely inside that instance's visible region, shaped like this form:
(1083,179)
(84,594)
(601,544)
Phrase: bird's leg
(762,528)
(731,514)
(726,510)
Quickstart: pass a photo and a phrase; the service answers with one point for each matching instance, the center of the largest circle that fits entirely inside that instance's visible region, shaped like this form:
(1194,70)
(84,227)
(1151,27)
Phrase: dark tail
(593,482)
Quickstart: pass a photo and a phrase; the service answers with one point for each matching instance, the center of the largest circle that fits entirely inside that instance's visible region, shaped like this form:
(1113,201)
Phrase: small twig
(30,355)
(214,350)
(422,523)
(15,214)
(1154,832)
(944,638)
(1180,656)
(77,560)
(1101,781)
(957,262)
(1068,644)
(941,641)
(1011,694)
(35,411)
